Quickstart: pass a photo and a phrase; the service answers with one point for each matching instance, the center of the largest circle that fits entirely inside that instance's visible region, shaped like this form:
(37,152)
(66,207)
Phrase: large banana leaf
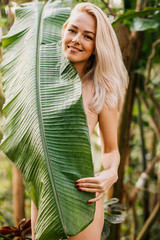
(46,133)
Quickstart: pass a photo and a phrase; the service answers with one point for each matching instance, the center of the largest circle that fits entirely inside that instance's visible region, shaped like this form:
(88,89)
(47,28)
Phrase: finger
(101,187)
(88,185)
(84,180)
(99,196)
(89,189)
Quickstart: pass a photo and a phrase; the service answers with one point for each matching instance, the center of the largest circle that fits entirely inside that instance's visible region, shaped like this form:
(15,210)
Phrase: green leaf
(46,134)
(3,22)
(151,111)
(156,80)
(112,205)
(130,14)
(111,201)
(113,218)
(1,219)
(142,24)
(117,207)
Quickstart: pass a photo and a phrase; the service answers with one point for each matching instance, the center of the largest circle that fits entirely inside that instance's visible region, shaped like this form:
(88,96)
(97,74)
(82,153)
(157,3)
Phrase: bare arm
(110,157)
(108,129)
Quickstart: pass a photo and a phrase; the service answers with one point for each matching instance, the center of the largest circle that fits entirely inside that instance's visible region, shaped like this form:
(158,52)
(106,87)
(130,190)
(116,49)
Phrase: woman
(90,43)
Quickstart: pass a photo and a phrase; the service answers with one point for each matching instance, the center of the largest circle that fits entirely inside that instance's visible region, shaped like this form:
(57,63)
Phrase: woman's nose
(76,39)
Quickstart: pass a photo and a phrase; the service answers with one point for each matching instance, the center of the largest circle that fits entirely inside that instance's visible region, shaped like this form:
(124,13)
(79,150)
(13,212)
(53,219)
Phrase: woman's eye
(71,30)
(88,37)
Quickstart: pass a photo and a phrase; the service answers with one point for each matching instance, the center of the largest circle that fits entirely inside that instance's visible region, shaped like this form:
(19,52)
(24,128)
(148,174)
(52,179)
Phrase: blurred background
(137,25)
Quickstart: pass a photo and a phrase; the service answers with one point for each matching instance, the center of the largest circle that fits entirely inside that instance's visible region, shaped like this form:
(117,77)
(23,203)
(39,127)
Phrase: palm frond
(46,134)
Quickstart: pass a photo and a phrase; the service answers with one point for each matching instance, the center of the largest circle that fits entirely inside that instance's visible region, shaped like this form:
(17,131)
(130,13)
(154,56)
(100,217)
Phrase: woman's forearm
(111,160)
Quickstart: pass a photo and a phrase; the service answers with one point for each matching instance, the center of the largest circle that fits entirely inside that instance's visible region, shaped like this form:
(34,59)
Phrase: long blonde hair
(106,67)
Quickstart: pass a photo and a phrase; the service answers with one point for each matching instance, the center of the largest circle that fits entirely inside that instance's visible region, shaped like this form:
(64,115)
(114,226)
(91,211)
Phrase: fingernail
(76,182)
(77,185)
(89,202)
(79,189)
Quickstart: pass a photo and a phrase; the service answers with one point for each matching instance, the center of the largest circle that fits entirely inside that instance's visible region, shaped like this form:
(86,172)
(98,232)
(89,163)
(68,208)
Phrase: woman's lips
(74,49)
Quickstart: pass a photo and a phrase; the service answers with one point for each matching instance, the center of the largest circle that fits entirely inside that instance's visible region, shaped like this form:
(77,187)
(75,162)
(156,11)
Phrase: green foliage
(111,208)
(129,4)
(23,231)
(44,105)
(114,218)
(132,14)
(99,3)
(142,24)
(145,19)
(3,22)
(1,219)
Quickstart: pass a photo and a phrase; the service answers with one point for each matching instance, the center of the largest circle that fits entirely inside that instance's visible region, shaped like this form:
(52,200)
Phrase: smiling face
(78,41)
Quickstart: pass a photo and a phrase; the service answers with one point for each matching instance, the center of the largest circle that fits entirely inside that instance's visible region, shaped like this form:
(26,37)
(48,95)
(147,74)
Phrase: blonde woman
(90,43)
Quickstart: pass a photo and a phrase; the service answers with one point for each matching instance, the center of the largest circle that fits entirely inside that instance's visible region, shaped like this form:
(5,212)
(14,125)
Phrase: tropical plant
(112,215)
(46,134)
(142,23)
(23,231)
(113,210)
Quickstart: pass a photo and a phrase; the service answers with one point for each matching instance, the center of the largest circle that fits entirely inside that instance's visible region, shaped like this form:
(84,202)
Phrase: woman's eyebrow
(86,31)
(90,32)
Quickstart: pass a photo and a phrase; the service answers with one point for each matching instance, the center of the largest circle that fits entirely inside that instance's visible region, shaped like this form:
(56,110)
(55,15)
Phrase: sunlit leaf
(156,80)
(111,201)
(3,22)
(130,14)
(1,219)
(142,24)
(113,218)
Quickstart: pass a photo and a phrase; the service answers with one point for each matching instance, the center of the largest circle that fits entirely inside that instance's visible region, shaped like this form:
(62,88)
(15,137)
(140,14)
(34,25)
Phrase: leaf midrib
(44,143)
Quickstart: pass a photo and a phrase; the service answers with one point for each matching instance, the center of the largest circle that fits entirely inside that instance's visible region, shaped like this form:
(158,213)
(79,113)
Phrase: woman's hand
(98,184)
(110,157)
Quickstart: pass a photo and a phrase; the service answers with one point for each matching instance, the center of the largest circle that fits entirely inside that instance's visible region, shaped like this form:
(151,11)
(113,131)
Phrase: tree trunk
(144,165)
(136,42)
(18,195)
(135,46)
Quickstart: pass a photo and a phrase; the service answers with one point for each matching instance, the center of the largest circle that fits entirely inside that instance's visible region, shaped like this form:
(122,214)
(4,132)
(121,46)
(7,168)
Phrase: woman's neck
(79,68)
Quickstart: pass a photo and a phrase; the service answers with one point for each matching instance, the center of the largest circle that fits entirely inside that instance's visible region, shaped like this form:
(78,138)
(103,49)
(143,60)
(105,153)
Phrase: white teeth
(74,48)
